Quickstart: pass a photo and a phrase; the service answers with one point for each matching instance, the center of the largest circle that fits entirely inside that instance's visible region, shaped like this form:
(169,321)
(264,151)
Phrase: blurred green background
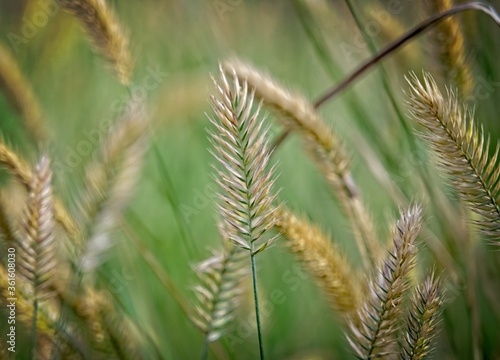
(309,46)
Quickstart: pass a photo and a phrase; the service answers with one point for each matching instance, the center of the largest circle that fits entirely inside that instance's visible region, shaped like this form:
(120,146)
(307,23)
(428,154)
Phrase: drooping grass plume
(220,290)
(111,179)
(375,336)
(37,259)
(448,48)
(242,150)
(105,33)
(462,148)
(423,319)
(327,150)
(324,261)
(20,94)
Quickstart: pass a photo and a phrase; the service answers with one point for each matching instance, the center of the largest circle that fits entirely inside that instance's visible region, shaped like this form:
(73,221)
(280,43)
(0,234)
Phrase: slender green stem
(33,325)
(256,300)
(204,351)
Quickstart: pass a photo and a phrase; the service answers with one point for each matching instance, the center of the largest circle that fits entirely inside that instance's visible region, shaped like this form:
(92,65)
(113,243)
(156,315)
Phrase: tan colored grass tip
(323,260)
(106,34)
(21,96)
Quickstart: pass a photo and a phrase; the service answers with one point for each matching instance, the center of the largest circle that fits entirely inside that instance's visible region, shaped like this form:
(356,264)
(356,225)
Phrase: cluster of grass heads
(111,225)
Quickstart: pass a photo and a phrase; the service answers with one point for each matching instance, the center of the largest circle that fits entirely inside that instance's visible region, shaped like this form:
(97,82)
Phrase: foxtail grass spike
(111,179)
(423,319)
(330,155)
(241,147)
(37,246)
(242,151)
(18,168)
(462,148)
(105,33)
(37,250)
(20,94)
(324,261)
(220,290)
(375,335)
(448,48)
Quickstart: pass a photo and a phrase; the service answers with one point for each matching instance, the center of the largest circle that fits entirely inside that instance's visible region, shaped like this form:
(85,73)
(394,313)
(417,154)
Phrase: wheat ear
(37,248)
(324,261)
(379,316)
(242,151)
(111,179)
(219,291)
(462,149)
(422,322)
(327,150)
(20,94)
(449,47)
(106,34)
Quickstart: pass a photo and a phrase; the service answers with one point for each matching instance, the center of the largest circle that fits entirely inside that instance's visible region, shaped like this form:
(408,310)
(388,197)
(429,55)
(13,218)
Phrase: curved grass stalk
(389,49)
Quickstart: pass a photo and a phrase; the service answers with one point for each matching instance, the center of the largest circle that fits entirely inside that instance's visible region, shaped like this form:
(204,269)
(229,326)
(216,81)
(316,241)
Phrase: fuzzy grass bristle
(462,148)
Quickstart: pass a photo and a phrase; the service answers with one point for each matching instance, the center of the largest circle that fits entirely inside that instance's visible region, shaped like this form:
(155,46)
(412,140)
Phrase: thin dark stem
(355,12)
(424,25)
(257,311)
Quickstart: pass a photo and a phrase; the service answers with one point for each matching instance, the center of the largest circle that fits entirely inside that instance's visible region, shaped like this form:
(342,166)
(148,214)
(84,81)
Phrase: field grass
(170,222)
